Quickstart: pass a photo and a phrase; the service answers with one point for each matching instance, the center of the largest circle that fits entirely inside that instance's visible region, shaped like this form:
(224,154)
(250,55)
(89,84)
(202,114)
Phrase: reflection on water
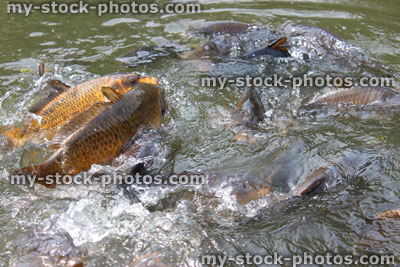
(176,225)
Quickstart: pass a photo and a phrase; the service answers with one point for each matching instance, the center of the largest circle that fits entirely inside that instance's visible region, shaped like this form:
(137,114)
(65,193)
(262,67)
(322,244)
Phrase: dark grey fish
(358,96)
(47,249)
(226,27)
(349,164)
(250,110)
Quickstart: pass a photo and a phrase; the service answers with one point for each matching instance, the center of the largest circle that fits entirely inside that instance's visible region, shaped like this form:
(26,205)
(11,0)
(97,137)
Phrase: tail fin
(34,173)
(14,135)
(17,137)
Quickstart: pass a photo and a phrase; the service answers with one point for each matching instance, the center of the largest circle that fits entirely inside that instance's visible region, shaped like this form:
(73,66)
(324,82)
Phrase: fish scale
(72,102)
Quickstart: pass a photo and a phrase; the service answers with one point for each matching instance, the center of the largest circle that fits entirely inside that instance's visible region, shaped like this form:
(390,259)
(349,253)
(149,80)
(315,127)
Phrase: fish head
(151,97)
(123,83)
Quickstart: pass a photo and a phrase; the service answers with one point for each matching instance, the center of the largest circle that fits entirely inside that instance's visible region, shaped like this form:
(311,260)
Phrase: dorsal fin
(111,94)
(41,69)
(77,122)
(58,85)
(37,108)
(243,99)
(277,45)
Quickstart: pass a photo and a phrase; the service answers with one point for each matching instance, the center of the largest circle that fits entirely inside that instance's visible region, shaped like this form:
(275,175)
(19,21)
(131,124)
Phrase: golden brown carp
(99,134)
(389,214)
(360,96)
(58,109)
(82,96)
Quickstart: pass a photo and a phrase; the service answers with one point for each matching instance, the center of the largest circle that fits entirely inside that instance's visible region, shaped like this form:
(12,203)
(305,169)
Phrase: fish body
(389,214)
(244,189)
(349,164)
(360,96)
(103,137)
(226,27)
(236,40)
(313,44)
(250,108)
(82,96)
(249,111)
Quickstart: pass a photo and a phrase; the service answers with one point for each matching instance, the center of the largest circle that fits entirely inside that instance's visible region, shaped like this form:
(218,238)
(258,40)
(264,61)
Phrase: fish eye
(132,79)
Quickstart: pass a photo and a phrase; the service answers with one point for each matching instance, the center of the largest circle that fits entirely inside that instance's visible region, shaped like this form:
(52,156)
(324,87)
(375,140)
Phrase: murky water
(110,229)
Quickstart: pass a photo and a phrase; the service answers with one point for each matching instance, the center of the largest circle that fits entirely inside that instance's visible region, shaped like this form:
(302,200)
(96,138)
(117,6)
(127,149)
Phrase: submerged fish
(99,134)
(57,109)
(249,112)
(250,108)
(46,248)
(244,189)
(313,44)
(349,164)
(226,27)
(238,40)
(389,214)
(359,96)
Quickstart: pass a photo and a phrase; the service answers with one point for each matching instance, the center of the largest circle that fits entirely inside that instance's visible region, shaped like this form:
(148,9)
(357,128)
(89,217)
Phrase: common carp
(358,96)
(349,164)
(238,40)
(47,248)
(389,214)
(316,45)
(99,134)
(250,110)
(56,110)
(244,189)
(226,27)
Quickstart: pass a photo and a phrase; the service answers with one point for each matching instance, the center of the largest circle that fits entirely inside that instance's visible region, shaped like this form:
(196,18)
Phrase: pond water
(108,228)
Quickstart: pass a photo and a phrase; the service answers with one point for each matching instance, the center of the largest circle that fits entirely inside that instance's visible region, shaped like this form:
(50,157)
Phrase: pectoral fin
(42,70)
(111,94)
